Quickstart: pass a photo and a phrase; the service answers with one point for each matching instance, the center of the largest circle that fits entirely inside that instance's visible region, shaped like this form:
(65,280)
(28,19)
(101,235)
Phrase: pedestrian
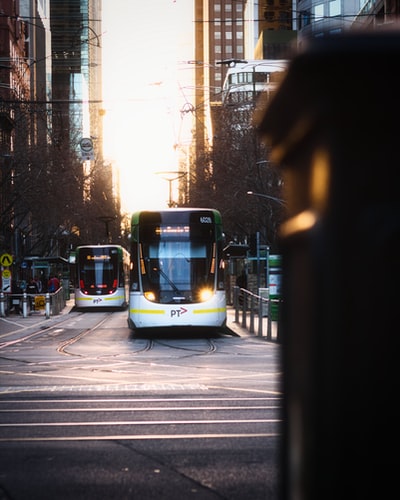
(31,290)
(54,284)
(241,282)
(39,284)
(16,297)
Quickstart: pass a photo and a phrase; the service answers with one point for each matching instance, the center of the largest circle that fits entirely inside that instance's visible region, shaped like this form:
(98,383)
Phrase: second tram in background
(102,276)
(177,277)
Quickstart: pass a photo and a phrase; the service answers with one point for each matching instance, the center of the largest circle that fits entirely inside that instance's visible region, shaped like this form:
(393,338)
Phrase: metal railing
(51,303)
(257,313)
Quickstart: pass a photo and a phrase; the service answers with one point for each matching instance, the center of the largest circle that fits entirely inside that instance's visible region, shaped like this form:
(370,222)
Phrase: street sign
(6,260)
(87,152)
(6,274)
(40,302)
(6,281)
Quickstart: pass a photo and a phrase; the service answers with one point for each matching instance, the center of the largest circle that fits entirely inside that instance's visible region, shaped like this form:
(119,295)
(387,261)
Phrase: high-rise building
(76,70)
(229,32)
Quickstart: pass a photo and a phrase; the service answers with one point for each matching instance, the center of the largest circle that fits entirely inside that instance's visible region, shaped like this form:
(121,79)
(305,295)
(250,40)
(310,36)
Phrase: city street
(90,410)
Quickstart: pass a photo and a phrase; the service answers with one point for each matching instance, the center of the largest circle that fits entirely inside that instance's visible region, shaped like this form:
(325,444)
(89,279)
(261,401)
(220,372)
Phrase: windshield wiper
(165,276)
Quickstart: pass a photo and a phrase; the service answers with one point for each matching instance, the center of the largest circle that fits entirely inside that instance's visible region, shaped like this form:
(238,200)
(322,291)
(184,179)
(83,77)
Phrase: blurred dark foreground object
(334,130)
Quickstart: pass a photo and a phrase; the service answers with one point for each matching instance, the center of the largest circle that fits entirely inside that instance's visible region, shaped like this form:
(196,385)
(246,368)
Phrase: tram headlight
(150,296)
(205,294)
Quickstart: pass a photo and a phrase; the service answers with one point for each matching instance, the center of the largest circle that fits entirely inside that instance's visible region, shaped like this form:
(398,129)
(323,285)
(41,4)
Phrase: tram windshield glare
(178,264)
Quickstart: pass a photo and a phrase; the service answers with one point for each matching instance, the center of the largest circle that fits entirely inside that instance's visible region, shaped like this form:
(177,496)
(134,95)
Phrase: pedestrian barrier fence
(258,312)
(27,303)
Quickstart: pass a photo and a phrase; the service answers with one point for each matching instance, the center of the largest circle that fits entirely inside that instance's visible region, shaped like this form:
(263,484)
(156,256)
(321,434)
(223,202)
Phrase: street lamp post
(171,176)
(107,219)
(281,202)
(267,196)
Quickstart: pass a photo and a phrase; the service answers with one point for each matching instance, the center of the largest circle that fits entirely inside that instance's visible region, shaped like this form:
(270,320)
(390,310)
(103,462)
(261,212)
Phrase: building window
(318,12)
(305,18)
(334,8)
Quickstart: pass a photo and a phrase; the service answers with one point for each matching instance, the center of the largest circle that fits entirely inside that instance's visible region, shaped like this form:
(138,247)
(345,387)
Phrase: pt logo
(177,313)
(97,301)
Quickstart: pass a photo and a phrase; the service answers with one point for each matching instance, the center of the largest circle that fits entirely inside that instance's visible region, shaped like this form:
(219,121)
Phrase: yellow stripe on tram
(209,311)
(146,311)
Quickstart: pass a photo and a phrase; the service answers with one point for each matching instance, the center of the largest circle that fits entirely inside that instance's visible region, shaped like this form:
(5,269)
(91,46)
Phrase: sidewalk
(235,327)
(248,330)
(37,319)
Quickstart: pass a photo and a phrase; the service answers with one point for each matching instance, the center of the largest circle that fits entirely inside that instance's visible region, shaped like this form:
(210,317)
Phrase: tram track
(211,347)
(63,346)
(41,328)
(47,331)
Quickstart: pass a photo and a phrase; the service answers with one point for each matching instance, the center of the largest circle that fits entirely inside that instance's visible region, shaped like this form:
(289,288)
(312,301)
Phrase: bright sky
(145,85)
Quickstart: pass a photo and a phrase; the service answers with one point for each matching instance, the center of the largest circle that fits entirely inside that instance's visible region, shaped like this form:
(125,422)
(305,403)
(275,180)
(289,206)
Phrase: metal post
(251,329)
(236,302)
(2,305)
(269,325)
(258,260)
(244,311)
(260,315)
(47,307)
(24,305)
(170,202)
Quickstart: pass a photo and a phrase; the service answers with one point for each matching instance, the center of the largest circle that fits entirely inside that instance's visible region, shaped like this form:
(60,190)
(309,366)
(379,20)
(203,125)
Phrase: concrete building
(228,32)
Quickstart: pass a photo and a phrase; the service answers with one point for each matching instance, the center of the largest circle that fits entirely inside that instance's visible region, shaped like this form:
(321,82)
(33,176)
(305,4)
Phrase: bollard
(47,307)
(251,328)
(24,305)
(260,315)
(269,322)
(236,302)
(244,311)
(2,305)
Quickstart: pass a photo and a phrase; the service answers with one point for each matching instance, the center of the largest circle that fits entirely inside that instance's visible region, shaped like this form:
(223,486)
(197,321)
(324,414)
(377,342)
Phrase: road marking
(104,388)
(135,437)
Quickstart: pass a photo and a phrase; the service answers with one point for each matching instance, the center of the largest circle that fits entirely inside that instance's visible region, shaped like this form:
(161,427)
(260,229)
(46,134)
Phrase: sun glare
(142,92)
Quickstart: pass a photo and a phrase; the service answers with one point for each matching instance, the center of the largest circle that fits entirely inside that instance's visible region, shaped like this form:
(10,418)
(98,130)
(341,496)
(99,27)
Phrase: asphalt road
(90,411)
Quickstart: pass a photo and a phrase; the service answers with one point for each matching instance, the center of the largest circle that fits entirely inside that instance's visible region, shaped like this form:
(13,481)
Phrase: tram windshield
(98,270)
(178,265)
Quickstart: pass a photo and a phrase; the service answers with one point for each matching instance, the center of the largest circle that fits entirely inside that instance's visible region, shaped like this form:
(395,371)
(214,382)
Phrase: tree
(238,163)
(53,202)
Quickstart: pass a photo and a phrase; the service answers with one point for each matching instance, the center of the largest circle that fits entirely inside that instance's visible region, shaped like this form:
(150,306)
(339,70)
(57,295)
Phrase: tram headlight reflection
(205,294)
(150,296)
